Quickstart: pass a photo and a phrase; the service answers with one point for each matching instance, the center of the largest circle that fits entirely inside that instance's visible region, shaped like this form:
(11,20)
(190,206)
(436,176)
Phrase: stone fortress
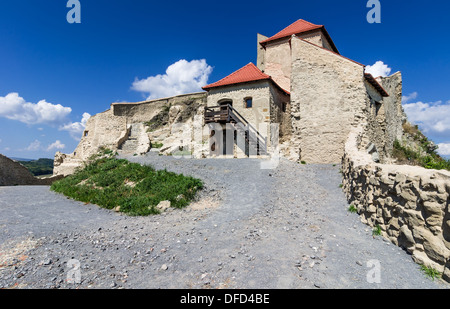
(302,98)
(305,101)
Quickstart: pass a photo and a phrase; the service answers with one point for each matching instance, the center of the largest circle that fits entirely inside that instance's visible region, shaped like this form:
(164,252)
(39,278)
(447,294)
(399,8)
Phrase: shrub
(429,160)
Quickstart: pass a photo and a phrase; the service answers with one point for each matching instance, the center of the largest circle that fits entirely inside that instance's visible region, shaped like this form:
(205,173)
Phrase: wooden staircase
(227,114)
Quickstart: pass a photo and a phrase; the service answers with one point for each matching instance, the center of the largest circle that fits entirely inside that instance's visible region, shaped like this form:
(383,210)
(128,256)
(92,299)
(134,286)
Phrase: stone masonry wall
(410,204)
(328,98)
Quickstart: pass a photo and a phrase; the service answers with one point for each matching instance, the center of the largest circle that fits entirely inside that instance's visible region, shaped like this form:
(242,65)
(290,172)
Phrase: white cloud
(36,145)
(432,117)
(407,98)
(56,145)
(444,149)
(378,69)
(14,107)
(75,129)
(181,77)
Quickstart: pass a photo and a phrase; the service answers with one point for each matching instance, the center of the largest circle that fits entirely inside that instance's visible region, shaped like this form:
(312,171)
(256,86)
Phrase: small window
(248,102)
(86,133)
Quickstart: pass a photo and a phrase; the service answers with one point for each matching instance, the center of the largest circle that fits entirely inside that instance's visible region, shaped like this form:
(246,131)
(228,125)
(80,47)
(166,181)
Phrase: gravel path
(250,228)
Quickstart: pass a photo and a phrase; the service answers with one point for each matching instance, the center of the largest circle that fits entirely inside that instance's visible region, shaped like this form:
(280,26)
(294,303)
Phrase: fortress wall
(102,130)
(410,204)
(145,111)
(385,116)
(328,98)
(393,109)
(111,128)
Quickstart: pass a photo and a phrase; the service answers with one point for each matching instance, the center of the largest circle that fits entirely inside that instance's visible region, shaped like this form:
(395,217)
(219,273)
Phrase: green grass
(352,209)
(430,272)
(376,231)
(156,145)
(109,182)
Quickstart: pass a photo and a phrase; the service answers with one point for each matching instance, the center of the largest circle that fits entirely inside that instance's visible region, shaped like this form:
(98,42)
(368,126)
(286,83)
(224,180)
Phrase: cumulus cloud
(444,149)
(409,97)
(75,129)
(181,77)
(34,146)
(378,69)
(14,107)
(56,145)
(433,117)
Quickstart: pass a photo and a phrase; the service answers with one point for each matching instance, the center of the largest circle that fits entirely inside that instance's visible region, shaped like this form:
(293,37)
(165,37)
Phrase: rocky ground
(253,228)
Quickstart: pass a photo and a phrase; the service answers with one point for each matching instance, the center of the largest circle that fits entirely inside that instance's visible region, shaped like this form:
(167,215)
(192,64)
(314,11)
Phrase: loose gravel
(250,228)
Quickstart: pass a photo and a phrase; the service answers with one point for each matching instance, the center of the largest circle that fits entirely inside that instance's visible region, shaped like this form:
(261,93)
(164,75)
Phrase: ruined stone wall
(102,130)
(328,98)
(393,109)
(145,111)
(385,116)
(375,131)
(113,127)
(13,173)
(182,126)
(260,59)
(410,204)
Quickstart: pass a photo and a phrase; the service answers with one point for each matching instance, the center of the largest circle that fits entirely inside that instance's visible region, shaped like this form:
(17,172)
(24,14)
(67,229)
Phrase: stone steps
(131,144)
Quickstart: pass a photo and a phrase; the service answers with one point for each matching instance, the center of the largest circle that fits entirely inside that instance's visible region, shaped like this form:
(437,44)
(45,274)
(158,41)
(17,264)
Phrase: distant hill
(38,167)
(20,159)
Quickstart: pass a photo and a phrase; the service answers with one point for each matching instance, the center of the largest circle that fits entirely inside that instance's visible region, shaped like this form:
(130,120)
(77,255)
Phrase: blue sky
(53,74)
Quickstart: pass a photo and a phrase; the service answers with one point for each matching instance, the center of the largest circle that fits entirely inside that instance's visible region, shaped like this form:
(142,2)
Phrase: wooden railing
(227,114)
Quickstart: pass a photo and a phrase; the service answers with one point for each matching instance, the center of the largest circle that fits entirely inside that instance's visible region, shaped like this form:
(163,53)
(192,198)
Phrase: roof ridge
(253,73)
(293,28)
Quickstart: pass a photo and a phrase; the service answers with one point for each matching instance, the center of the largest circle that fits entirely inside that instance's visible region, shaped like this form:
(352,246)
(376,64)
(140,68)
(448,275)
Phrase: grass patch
(302,162)
(376,231)
(156,145)
(109,182)
(352,209)
(430,272)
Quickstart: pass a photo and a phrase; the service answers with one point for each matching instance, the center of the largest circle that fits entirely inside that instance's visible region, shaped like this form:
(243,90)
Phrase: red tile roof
(248,73)
(298,27)
(369,77)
